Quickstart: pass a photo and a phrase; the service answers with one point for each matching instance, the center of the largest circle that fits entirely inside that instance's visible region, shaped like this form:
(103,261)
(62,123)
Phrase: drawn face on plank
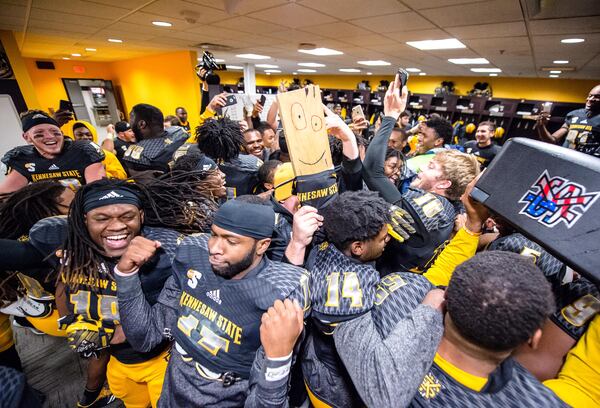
(301,112)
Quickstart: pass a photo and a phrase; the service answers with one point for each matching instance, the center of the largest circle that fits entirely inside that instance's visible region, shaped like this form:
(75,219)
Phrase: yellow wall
(165,81)
(558,90)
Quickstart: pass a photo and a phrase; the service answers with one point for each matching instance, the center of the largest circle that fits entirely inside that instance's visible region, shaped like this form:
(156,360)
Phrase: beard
(232,270)
(137,132)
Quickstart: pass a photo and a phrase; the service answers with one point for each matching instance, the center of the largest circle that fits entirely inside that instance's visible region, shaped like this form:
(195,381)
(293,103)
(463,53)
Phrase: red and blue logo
(552,200)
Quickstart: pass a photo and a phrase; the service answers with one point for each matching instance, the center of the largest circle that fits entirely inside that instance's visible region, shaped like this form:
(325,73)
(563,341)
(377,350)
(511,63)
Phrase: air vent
(44,64)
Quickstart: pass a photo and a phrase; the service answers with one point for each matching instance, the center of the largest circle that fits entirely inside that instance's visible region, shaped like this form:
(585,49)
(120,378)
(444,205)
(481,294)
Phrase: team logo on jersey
(552,200)
(193,277)
(215,295)
(30,167)
(430,387)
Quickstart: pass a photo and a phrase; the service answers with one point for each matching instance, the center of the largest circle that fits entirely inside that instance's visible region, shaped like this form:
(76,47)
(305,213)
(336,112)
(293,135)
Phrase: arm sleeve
(146,326)
(269,382)
(462,247)
(374,163)
(91,152)
(23,255)
(205,100)
(387,372)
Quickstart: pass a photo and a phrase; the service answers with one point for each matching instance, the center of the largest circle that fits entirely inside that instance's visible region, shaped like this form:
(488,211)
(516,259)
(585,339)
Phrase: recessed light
(234,67)
(311,64)
(572,40)
(253,56)
(294,73)
(266,66)
(369,73)
(307,70)
(553,76)
(375,63)
(422,73)
(216,59)
(446,44)
(90,49)
(321,51)
(486,70)
(66,58)
(493,74)
(413,69)
(115,40)
(162,24)
(349,70)
(272,71)
(556,72)
(468,61)
(268,73)
(75,55)
(560,62)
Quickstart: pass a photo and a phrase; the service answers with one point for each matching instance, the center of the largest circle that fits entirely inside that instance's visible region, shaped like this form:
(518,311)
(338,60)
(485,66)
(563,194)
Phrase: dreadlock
(19,211)
(201,180)
(220,139)
(170,201)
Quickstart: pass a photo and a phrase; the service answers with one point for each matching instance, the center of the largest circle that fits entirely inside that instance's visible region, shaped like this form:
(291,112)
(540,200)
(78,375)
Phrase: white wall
(10,128)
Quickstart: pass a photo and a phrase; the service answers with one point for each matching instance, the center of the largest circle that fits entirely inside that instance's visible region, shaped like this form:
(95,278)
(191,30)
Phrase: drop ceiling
(518,36)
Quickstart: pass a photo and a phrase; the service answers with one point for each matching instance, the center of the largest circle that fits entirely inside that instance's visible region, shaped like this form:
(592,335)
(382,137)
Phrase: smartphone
(546,107)
(403,77)
(262,101)
(230,100)
(357,111)
(65,106)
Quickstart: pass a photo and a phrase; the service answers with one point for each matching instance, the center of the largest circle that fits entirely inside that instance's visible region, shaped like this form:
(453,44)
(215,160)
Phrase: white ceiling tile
(67,28)
(426,4)
(249,25)
(246,7)
(68,19)
(509,29)
(179,9)
(82,8)
(351,9)
(366,40)
(127,4)
(494,11)
(337,30)
(293,15)
(417,35)
(394,22)
(500,46)
(565,25)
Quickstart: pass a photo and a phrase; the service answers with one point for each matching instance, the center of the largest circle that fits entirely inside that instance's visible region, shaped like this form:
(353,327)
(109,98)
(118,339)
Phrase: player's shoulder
(527,390)
(247,162)
(49,233)
(18,153)
(577,113)
(86,147)
(169,239)
(578,302)
(434,210)
(283,277)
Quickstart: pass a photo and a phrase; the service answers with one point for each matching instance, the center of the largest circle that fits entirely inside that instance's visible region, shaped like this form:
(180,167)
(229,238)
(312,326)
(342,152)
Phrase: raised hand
(139,251)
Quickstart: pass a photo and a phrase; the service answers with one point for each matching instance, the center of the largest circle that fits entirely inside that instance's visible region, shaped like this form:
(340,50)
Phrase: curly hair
(355,216)
(497,300)
(442,128)
(220,139)
(337,153)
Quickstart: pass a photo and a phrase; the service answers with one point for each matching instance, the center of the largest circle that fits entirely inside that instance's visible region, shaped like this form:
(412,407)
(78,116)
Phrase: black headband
(250,220)
(110,195)
(37,118)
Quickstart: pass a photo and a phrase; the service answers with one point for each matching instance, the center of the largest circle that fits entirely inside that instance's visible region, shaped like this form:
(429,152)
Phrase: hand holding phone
(262,101)
(357,111)
(230,99)
(65,106)
(403,77)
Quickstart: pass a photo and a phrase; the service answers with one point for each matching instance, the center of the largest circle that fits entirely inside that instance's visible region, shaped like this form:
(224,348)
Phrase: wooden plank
(301,113)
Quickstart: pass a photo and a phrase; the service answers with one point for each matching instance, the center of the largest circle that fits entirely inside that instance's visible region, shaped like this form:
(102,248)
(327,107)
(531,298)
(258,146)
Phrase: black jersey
(96,299)
(282,233)
(121,147)
(156,153)
(219,319)
(68,167)
(584,132)
(484,155)
(434,221)
(578,302)
(241,173)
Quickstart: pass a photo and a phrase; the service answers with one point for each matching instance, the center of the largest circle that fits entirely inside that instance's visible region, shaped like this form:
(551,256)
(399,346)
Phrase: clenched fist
(281,326)
(139,251)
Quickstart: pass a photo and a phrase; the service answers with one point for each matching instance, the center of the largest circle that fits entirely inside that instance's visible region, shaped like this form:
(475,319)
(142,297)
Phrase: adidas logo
(39,116)
(215,295)
(112,194)
(53,167)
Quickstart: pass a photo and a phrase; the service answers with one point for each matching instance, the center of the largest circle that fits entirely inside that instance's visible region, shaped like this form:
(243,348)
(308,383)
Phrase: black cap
(122,127)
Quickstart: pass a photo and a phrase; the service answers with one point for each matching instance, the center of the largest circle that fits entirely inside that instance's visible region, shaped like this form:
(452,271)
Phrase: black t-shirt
(484,154)
(584,132)
(68,167)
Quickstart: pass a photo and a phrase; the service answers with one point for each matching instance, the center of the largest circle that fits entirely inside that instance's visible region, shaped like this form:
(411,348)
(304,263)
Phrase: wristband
(473,234)
(119,273)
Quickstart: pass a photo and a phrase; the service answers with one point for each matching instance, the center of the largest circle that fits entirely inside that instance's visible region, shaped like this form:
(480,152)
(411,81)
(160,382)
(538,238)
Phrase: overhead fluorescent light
(493,74)
(294,73)
(375,63)
(422,73)
(486,70)
(266,66)
(90,49)
(413,69)
(253,56)
(216,59)
(311,64)
(272,71)
(321,51)
(307,70)
(76,55)
(572,40)
(115,40)
(369,73)
(556,72)
(66,58)
(349,70)
(447,44)
(234,67)
(162,24)
(560,62)
(268,73)
(468,61)
(553,76)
